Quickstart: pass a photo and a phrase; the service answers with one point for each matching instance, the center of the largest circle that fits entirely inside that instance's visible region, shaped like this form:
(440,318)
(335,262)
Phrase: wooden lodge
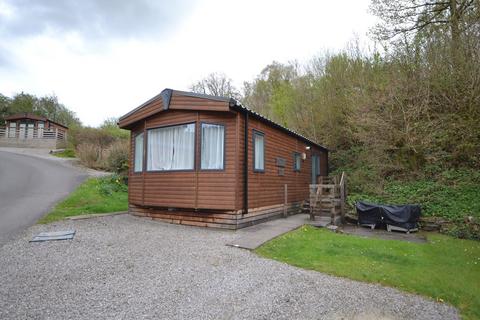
(32,131)
(209,161)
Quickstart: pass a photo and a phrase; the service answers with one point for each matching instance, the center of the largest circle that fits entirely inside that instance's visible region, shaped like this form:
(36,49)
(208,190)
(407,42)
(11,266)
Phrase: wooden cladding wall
(177,102)
(135,180)
(196,189)
(193,103)
(267,188)
(150,109)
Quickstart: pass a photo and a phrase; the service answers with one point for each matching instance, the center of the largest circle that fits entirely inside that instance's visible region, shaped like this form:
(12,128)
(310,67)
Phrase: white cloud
(104,79)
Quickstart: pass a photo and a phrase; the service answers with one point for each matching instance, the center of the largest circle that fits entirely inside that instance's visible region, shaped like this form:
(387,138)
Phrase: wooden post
(342,195)
(285,205)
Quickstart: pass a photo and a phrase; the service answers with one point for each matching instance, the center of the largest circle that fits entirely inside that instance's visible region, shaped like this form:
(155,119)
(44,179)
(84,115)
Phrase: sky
(103,58)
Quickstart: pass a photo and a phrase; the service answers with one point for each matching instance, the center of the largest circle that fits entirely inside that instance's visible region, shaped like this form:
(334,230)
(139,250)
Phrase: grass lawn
(445,268)
(67,153)
(95,195)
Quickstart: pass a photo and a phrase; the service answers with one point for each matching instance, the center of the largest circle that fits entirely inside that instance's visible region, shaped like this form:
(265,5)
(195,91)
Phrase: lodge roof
(31,116)
(232,103)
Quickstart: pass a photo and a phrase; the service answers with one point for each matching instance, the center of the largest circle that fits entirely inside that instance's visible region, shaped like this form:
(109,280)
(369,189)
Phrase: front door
(315,168)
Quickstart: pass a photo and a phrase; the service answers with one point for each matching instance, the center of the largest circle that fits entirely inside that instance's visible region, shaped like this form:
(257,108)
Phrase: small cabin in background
(209,161)
(32,131)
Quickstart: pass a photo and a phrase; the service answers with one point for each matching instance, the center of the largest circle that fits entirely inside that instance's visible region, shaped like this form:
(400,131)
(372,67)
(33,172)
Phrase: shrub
(95,136)
(116,157)
(112,184)
(90,155)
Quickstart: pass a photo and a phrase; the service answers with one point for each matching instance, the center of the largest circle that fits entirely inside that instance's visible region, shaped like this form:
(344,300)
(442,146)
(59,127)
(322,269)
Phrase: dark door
(315,168)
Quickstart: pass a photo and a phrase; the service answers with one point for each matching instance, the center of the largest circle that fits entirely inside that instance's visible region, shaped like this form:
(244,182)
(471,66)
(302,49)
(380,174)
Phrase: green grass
(95,195)
(445,268)
(67,153)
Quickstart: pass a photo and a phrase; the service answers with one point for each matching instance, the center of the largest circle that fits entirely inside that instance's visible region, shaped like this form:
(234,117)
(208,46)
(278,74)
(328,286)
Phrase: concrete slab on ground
(254,236)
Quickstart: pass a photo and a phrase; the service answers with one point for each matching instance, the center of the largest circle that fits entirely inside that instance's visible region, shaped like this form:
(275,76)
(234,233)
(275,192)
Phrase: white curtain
(212,146)
(139,153)
(171,148)
(259,151)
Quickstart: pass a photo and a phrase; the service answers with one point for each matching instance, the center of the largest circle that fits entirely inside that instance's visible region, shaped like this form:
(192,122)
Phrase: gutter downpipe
(245,167)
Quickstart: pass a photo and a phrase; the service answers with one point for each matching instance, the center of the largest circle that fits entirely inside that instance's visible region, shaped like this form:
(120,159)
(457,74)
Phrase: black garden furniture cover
(404,216)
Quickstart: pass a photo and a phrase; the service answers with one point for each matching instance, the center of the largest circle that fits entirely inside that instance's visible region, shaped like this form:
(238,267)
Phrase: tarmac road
(29,187)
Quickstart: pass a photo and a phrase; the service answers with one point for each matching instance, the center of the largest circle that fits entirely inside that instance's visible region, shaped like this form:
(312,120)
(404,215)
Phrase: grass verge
(445,268)
(67,153)
(95,195)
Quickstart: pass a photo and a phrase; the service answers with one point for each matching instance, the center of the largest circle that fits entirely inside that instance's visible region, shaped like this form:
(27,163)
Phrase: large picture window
(171,148)
(213,144)
(259,151)
(138,164)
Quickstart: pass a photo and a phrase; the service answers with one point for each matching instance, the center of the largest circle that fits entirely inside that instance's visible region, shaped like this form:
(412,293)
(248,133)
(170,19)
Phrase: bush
(94,136)
(112,184)
(116,157)
(90,155)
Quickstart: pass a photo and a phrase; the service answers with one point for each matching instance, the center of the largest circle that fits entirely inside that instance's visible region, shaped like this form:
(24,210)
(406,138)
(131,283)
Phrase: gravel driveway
(122,267)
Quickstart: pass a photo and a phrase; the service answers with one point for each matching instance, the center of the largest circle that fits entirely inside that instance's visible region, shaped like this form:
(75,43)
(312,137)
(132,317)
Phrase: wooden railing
(31,134)
(328,196)
(343,194)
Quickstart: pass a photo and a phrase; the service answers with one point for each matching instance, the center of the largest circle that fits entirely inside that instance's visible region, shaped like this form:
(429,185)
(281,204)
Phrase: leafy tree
(4,107)
(110,126)
(47,106)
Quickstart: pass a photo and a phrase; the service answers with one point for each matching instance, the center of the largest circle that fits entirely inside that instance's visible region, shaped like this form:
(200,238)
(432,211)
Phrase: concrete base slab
(254,236)
(320,222)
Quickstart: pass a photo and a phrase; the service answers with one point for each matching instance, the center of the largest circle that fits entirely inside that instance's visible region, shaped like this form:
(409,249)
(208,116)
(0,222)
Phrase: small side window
(297,161)
(259,151)
(138,161)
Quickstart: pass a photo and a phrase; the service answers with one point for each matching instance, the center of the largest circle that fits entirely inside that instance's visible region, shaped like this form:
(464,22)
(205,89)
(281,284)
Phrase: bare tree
(216,84)
(409,18)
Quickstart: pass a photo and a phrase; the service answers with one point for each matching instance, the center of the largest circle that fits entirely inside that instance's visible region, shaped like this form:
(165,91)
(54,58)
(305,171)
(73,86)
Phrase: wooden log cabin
(210,161)
(33,131)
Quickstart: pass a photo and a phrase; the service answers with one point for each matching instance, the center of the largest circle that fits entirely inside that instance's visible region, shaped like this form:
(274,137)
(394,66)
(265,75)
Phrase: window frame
(295,155)
(224,145)
(194,147)
(135,152)
(259,133)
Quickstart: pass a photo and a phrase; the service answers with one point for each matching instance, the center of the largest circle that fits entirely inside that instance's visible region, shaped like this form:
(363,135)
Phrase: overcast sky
(103,58)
